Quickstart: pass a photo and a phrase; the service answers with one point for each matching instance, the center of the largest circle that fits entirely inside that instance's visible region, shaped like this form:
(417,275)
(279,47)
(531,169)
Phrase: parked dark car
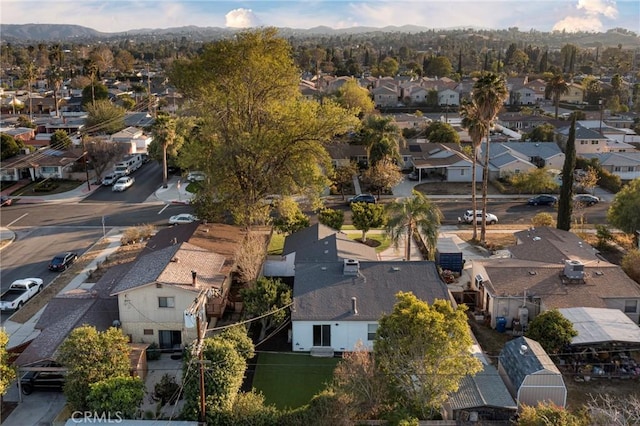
(42,380)
(363,198)
(5,201)
(586,199)
(543,200)
(62,261)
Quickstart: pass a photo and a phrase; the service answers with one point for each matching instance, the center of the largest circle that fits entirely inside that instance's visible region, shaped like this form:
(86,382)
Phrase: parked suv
(363,198)
(109,179)
(468,217)
(43,380)
(586,199)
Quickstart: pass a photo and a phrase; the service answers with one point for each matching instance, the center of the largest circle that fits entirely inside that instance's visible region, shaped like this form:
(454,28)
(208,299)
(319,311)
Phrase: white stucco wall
(139,310)
(344,335)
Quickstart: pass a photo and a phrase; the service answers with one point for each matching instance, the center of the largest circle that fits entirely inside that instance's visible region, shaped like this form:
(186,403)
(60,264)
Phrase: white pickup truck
(19,293)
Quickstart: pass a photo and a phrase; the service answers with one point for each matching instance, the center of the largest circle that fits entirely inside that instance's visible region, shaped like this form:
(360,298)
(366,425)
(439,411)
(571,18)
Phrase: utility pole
(85,154)
(201,362)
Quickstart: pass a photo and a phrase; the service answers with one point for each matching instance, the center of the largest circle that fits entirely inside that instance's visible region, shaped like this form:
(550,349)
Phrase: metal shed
(530,375)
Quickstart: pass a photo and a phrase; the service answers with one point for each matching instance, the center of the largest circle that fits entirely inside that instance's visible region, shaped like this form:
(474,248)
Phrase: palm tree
(54,77)
(30,74)
(489,94)
(381,134)
(414,214)
(555,88)
(164,132)
(477,130)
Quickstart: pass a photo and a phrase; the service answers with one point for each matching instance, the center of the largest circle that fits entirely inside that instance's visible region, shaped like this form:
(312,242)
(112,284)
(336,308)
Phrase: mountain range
(47,33)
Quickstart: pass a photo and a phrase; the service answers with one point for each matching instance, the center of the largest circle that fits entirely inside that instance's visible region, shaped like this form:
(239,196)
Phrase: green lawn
(383,241)
(276,244)
(291,380)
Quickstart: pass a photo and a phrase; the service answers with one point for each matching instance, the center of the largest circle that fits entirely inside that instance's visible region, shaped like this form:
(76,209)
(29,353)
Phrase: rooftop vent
(574,269)
(351,267)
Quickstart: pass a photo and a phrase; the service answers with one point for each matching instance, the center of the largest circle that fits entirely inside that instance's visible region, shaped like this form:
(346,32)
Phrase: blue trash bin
(501,324)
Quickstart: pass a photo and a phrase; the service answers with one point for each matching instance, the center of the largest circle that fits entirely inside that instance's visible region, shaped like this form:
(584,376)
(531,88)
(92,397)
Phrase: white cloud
(589,16)
(574,24)
(241,18)
(599,7)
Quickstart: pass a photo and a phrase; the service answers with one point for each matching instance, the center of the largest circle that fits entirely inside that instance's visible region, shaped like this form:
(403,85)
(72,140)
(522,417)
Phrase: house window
(630,306)
(371,331)
(166,302)
(594,142)
(321,335)
(617,168)
(148,331)
(583,142)
(48,169)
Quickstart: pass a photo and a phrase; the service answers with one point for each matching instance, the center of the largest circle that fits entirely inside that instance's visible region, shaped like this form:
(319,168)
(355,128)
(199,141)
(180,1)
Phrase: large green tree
(565,203)
(9,146)
(356,98)
(424,352)
(623,212)
(410,215)
(366,216)
(552,330)
(476,127)
(489,93)
(116,396)
(266,295)
(60,140)
(542,133)
(380,133)
(441,132)
(91,356)
(382,176)
(259,135)
(225,361)
(103,116)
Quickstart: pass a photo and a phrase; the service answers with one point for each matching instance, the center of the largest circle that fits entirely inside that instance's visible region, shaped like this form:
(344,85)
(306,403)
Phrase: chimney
(354,306)
(351,267)
(194,276)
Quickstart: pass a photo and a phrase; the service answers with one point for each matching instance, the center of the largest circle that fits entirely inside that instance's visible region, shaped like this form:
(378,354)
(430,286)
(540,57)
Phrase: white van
(109,179)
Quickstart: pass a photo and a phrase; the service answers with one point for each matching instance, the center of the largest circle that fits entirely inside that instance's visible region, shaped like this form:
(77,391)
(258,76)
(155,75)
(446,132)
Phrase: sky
(122,15)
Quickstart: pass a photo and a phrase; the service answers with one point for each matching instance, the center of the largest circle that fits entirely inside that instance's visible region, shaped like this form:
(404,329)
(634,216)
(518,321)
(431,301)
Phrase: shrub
(631,264)
(166,390)
(137,234)
(153,352)
(543,219)
(609,181)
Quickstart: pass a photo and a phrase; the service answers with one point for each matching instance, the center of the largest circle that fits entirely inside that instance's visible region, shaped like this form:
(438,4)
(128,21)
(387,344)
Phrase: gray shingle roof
(485,389)
(323,244)
(551,245)
(323,292)
(519,365)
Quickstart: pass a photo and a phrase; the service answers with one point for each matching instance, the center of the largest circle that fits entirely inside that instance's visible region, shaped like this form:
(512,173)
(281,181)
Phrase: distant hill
(34,33)
(47,32)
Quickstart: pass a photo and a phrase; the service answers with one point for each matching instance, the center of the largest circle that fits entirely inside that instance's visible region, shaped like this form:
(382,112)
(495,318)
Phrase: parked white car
(123,183)
(109,179)
(468,217)
(196,176)
(182,218)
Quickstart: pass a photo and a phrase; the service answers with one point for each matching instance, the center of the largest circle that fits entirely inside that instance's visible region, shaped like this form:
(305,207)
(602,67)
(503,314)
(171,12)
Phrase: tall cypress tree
(565,204)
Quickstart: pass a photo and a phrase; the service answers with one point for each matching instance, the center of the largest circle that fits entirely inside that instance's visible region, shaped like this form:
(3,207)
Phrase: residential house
(550,269)
(342,154)
(448,97)
(316,242)
(530,374)
(309,90)
(521,122)
(134,138)
(508,158)
(22,134)
(574,95)
(625,165)
(539,87)
(138,119)
(619,138)
(44,163)
(524,96)
(444,161)
(184,273)
(410,121)
(385,96)
(587,141)
(338,304)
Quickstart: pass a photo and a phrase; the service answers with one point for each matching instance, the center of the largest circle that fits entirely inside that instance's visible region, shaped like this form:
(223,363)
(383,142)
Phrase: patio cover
(601,325)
